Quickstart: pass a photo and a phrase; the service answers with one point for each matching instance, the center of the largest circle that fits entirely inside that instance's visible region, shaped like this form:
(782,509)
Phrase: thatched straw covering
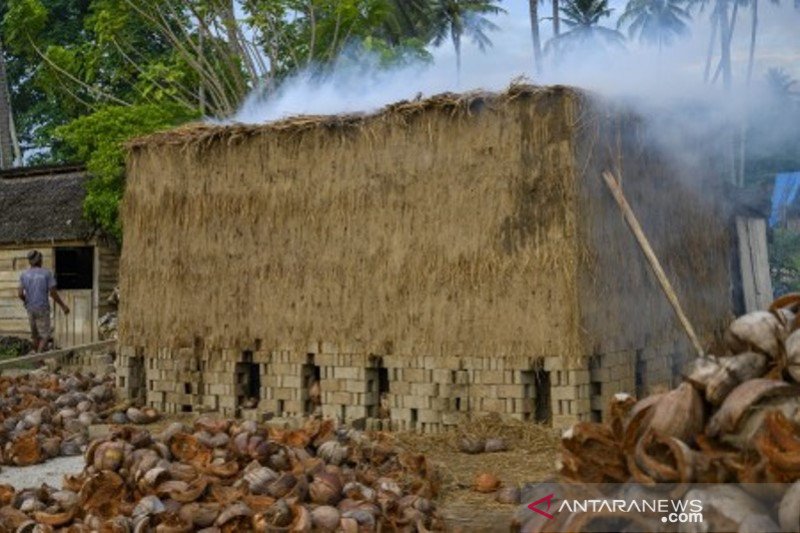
(457,224)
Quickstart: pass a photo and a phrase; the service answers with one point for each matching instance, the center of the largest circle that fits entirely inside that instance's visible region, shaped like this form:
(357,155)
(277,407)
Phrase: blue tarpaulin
(787,185)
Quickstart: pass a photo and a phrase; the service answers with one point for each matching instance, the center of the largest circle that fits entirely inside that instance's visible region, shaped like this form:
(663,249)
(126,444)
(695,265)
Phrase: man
(35,284)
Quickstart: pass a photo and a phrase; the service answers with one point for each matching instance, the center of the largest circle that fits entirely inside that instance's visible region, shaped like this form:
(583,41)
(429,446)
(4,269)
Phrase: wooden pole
(52,354)
(633,224)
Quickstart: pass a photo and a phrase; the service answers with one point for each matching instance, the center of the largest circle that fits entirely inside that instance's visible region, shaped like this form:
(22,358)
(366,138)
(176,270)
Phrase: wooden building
(448,257)
(42,208)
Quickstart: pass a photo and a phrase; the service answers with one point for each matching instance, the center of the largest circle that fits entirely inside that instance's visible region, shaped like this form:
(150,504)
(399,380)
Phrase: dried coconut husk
(759,331)
(54,519)
(789,510)
(226,495)
(12,518)
(793,355)
(592,454)
(193,492)
(725,507)
(186,448)
(619,408)
(102,494)
(25,450)
(665,459)
(486,482)
(733,371)
(609,521)
(779,445)
(788,302)
(6,494)
(742,401)
(635,423)
(679,413)
(258,503)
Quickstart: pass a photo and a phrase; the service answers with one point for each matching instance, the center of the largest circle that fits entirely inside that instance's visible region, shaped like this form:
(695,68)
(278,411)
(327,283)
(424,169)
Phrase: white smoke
(640,72)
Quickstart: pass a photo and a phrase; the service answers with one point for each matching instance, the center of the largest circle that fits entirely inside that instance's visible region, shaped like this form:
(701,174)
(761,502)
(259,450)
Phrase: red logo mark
(533,506)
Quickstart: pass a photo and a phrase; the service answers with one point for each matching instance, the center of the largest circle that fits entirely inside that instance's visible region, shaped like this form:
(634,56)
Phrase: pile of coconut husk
(43,415)
(223,475)
(735,419)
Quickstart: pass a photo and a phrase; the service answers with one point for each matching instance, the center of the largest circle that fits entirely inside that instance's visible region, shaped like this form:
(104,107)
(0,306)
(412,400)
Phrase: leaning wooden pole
(633,223)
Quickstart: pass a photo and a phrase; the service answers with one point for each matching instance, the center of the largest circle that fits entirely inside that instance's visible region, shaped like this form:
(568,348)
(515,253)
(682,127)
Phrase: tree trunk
(6,137)
(731,29)
(537,44)
(556,19)
(725,44)
(710,54)
(753,30)
(457,46)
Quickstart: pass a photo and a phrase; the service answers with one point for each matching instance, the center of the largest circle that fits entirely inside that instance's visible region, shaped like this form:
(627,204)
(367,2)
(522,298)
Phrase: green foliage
(98,140)
(784,253)
(773,138)
(584,32)
(656,22)
(87,75)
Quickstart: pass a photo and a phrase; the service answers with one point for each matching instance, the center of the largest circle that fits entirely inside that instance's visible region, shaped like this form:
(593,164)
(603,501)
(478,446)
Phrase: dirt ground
(530,458)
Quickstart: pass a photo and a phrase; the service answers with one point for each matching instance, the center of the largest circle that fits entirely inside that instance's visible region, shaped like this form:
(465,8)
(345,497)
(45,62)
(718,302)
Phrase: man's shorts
(40,324)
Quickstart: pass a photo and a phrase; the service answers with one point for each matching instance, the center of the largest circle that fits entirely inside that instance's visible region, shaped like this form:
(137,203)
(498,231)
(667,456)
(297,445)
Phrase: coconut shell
(102,493)
(759,331)
(486,482)
(325,518)
(471,445)
(187,448)
(193,492)
(664,459)
(793,356)
(741,399)
(54,519)
(679,413)
(25,449)
(619,407)
(200,514)
(731,372)
(495,445)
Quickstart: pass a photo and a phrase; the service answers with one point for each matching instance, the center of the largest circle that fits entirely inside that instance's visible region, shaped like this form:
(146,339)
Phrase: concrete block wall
(637,372)
(99,363)
(423,393)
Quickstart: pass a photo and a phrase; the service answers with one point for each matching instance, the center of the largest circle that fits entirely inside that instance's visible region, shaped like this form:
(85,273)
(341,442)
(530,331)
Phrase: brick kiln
(457,255)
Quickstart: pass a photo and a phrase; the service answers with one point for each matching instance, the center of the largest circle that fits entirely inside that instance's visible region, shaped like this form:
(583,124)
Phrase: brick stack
(99,363)
(423,393)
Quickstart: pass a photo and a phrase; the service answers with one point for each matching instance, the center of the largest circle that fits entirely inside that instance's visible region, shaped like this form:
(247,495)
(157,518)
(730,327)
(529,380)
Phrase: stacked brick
(399,392)
(98,363)
(637,372)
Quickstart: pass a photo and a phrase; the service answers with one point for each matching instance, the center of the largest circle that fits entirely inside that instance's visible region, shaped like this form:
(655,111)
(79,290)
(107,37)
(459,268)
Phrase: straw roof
(456,103)
(42,205)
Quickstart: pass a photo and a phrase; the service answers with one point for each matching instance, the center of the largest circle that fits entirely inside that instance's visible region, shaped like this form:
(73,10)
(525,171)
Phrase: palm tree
(557,19)
(455,19)
(655,22)
(780,84)
(537,43)
(582,17)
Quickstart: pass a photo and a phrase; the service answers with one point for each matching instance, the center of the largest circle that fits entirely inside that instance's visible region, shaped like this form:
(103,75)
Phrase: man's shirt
(37,282)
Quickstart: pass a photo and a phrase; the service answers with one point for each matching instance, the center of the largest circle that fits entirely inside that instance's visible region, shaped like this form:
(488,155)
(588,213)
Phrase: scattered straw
(531,457)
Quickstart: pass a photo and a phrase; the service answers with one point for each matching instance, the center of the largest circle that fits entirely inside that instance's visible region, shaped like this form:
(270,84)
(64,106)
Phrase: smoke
(637,72)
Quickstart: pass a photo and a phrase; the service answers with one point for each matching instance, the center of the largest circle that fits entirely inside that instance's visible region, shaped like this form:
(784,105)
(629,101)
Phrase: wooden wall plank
(754,263)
